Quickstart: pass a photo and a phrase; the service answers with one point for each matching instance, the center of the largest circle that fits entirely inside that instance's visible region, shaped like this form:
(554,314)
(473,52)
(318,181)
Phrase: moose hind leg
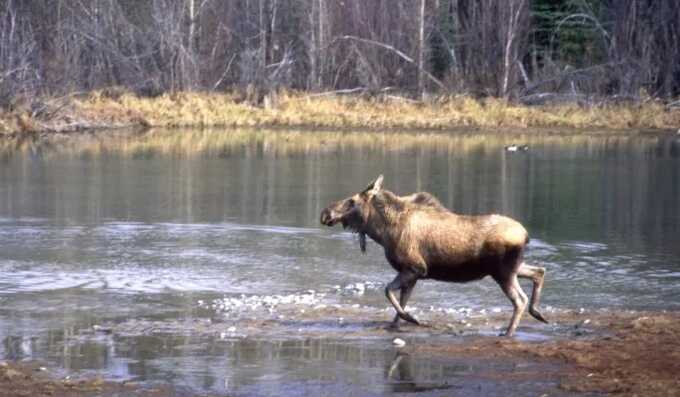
(537,275)
(404,296)
(403,280)
(514,292)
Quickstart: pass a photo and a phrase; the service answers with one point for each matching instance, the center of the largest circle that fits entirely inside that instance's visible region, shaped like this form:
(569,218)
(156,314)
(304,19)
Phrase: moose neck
(383,217)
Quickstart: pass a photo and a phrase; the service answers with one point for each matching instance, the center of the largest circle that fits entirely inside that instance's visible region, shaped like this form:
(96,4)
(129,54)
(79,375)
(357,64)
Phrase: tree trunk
(421,51)
(510,50)
(192,22)
(263,39)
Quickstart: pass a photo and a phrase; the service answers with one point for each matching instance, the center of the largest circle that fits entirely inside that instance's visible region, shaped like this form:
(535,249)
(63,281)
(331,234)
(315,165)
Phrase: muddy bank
(623,353)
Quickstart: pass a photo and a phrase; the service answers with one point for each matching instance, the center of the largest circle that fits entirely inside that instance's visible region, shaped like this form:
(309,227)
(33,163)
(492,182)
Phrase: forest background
(525,52)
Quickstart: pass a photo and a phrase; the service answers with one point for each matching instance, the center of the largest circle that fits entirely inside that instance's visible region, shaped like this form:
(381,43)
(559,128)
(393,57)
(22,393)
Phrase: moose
(424,240)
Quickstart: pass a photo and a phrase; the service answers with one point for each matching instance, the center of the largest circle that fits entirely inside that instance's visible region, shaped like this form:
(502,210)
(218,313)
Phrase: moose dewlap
(424,240)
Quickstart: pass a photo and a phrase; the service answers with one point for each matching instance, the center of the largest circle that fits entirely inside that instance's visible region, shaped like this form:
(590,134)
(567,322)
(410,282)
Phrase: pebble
(582,323)
(357,288)
(99,328)
(398,342)
(465,311)
(231,329)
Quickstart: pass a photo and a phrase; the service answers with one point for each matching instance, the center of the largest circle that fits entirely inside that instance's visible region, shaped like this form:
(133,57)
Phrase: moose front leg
(404,296)
(403,281)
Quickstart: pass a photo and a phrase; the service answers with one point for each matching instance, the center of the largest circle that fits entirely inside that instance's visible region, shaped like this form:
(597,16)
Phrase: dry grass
(189,109)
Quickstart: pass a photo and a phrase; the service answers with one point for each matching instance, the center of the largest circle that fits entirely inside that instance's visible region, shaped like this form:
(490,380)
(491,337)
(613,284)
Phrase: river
(196,258)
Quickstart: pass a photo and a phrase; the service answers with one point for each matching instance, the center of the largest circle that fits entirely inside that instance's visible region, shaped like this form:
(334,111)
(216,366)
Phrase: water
(196,258)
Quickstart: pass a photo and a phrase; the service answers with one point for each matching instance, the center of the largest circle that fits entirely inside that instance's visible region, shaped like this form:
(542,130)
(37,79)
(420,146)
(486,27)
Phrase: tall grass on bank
(190,109)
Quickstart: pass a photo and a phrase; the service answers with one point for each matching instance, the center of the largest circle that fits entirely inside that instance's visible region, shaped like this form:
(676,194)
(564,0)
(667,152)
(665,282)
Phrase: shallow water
(196,258)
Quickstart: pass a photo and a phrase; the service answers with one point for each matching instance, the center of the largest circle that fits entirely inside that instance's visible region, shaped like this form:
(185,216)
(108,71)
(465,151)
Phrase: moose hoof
(409,318)
(538,316)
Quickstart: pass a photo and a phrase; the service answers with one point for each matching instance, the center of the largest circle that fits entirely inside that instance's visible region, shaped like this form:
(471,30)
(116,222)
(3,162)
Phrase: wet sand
(623,353)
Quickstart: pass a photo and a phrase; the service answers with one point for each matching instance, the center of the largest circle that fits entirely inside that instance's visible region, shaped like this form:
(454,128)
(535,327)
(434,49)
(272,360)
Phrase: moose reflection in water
(422,240)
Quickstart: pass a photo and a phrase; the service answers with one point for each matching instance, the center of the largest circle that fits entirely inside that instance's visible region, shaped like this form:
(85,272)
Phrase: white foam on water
(266,303)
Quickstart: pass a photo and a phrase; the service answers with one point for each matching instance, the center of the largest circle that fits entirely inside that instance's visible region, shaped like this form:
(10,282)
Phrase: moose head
(353,212)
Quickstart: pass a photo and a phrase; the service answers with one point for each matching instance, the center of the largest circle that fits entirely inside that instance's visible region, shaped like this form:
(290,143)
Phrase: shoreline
(214,142)
(622,352)
(110,109)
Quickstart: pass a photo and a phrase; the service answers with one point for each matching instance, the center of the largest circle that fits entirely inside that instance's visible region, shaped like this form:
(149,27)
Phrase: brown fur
(423,200)
(422,239)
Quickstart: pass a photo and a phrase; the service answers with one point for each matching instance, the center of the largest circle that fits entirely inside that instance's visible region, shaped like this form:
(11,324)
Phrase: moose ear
(375,186)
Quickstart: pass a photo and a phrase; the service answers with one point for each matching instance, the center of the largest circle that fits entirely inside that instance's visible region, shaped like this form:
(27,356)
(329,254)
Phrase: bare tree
(512,48)
(517,11)
(421,50)
(18,74)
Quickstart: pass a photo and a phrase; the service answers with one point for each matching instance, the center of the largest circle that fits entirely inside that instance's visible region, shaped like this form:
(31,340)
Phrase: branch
(570,73)
(226,70)
(346,91)
(544,97)
(399,53)
(10,72)
(594,20)
(400,99)
(336,92)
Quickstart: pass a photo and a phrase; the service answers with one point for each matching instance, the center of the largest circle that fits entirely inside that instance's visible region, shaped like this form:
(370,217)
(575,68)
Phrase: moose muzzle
(327,217)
